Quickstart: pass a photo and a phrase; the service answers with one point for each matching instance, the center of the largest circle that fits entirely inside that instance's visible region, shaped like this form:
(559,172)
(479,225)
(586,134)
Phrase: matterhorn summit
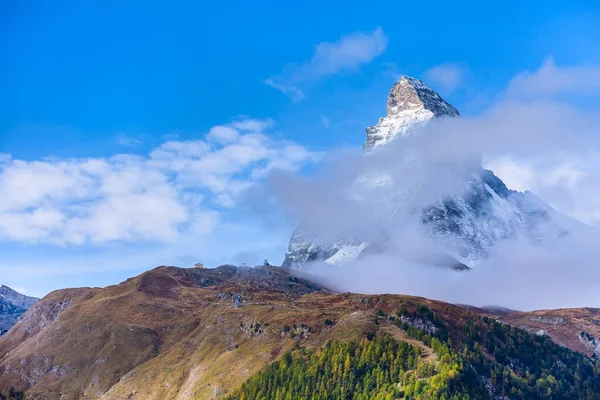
(410,105)
(461,224)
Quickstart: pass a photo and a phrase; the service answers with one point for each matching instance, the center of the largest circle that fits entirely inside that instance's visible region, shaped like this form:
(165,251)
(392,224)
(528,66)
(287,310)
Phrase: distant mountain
(9,314)
(12,305)
(257,333)
(16,298)
(466,223)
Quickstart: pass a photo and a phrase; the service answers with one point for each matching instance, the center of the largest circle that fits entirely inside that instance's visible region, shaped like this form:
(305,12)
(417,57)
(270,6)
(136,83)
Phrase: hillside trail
(399,334)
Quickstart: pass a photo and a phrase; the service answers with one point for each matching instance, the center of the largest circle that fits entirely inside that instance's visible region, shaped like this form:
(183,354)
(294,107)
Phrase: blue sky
(82,82)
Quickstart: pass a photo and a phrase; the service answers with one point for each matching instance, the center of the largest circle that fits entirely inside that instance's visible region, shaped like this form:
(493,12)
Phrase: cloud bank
(179,188)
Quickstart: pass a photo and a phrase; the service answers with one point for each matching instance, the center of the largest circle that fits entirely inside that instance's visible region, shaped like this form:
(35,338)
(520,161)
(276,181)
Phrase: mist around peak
(378,198)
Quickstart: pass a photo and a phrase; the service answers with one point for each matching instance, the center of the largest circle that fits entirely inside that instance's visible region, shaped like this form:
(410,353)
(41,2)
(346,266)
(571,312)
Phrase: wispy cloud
(391,69)
(553,80)
(446,77)
(291,91)
(129,141)
(346,54)
(174,135)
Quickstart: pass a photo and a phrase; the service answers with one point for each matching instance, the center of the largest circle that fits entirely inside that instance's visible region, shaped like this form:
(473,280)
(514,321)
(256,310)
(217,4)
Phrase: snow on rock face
(469,224)
(410,105)
(303,249)
(347,252)
(465,224)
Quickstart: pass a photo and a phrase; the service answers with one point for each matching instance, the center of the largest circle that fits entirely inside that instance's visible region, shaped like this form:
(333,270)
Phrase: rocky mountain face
(12,305)
(173,333)
(465,224)
(410,105)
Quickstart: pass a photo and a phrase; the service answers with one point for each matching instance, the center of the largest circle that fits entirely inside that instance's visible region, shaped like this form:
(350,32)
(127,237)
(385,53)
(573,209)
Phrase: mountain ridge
(201,333)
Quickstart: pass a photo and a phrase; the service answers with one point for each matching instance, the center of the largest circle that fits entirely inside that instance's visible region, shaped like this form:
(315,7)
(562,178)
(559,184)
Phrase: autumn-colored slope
(174,333)
(575,328)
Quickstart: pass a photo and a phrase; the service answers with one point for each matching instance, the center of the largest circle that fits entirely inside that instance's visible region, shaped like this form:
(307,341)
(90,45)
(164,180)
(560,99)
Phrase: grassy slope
(164,334)
(564,326)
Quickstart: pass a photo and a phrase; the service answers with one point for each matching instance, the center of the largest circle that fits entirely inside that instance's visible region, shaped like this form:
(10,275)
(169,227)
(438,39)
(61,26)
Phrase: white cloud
(346,54)
(129,141)
(289,90)
(559,158)
(570,184)
(180,188)
(447,77)
(252,125)
(552,80)
(223,134)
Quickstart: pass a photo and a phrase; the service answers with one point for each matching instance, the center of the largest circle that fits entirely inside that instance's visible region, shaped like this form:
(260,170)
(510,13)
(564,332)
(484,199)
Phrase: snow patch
(346,253)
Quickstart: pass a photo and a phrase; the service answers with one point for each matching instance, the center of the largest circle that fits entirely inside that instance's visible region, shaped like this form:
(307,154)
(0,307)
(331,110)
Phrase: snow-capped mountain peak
(410,105)
(464,220)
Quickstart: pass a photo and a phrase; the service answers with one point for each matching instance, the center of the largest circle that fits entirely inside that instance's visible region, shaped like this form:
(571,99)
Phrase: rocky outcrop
(410,105)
